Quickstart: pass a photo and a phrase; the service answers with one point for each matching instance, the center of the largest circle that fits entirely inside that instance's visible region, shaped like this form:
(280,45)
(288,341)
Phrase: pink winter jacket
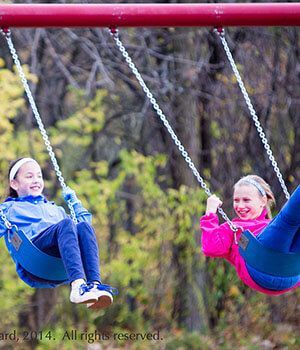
(218,242)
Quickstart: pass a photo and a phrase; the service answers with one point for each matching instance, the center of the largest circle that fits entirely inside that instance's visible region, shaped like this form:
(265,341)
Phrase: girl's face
(247,202)
(29,180)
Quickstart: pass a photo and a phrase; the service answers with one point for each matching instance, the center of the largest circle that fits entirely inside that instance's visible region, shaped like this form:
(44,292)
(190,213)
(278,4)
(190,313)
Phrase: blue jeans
(76,245)
(283,235)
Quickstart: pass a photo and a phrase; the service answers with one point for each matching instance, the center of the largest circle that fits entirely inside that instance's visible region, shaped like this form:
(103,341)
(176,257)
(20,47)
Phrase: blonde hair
(263,188)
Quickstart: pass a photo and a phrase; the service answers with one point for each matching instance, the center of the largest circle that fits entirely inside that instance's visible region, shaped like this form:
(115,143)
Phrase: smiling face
(29,180)
(248,203)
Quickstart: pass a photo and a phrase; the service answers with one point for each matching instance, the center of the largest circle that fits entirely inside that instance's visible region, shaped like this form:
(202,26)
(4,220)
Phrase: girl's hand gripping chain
(212,204)
(81,213)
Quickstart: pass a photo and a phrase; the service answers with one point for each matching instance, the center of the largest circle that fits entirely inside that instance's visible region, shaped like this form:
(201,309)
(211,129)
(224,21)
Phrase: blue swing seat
(33,260)
(267,260)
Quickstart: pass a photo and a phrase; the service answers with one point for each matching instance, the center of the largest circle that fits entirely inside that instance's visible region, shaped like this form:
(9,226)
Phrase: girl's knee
(84,228)
(67,224)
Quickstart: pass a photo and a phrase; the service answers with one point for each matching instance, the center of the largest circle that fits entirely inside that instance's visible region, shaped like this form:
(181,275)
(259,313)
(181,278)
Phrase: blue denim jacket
(33,215)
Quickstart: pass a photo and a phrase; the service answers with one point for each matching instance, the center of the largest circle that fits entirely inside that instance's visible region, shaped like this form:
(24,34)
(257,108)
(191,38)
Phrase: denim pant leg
(61,240)
(283,232)
(89,251)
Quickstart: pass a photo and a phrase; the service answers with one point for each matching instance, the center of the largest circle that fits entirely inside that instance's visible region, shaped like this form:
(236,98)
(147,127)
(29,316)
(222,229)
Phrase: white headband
(255,184)
(18,165)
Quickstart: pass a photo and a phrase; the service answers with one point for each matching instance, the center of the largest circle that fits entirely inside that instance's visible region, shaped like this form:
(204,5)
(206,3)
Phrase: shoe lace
(105,287)
(84,288)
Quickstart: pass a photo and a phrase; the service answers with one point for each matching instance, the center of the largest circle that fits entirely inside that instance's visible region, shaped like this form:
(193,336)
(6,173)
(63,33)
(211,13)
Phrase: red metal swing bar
(149,15)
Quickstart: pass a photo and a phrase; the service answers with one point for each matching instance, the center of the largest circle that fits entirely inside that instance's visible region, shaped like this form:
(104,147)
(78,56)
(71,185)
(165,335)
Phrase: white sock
(97,282)
(77,283)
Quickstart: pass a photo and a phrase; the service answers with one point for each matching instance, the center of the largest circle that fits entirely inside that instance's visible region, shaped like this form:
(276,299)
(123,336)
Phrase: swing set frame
(149,15)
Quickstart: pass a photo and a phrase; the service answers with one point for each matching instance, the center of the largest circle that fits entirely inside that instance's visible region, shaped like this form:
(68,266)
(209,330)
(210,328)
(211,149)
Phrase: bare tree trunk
(39,313)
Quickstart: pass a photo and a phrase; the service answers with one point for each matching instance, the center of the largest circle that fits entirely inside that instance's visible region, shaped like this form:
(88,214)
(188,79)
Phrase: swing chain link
(253,114)
(7,35)
(166,123)
(10,227)
(3,217)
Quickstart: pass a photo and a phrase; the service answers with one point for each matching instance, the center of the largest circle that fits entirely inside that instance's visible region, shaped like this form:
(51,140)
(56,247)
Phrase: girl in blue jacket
(52,231)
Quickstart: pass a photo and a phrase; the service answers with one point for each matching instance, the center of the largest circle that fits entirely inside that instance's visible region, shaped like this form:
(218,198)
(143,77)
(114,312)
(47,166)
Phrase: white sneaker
(105,298)
(82,294)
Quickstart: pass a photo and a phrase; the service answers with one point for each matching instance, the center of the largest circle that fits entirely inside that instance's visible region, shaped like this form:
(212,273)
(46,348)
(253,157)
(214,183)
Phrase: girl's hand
(212,204)
(70,195)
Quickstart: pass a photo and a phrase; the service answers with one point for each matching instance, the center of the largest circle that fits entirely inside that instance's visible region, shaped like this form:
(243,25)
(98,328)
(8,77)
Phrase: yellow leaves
(13,142)
(12,100)
(234,291)
(12,289)
(144,169)
(132,259)
(90,118)
(12,103)
(215,130)
(246,167)
(100,168)
(11,97)
(227,79)
(291,179)
(29,76)
(78,129)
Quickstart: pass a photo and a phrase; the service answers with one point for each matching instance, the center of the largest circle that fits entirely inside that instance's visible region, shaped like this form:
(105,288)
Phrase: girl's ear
(265,200)
(14,184)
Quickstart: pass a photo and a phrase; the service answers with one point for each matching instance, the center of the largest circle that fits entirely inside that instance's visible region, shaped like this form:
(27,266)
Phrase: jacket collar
(30,199)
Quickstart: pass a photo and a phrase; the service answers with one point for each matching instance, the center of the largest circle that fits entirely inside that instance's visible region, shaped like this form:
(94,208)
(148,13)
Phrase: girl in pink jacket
(252,200)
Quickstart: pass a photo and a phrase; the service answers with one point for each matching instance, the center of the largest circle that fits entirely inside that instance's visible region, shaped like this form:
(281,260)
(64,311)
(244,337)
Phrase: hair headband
(255,184)
(18,165)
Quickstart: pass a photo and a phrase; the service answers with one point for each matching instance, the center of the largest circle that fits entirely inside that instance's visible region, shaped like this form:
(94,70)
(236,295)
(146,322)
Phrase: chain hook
(114,30)
(6,32)
(220,31)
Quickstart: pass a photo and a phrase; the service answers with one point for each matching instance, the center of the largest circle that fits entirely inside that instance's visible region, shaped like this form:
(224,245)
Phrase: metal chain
(36,114)
(166,123)
(253,113)
(3,217)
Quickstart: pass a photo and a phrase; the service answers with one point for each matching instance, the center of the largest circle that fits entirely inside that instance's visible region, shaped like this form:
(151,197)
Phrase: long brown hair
(266,187)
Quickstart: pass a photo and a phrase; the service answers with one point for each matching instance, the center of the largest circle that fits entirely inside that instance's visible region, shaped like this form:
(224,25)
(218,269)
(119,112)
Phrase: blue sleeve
(82,214)
(3,228)
(64,214)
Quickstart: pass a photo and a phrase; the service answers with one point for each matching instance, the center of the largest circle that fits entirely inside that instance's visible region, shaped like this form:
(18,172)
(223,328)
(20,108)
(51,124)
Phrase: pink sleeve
(216,239)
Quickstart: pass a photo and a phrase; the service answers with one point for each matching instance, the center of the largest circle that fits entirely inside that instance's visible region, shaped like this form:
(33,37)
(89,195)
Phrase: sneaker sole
(103,302)
(85,301)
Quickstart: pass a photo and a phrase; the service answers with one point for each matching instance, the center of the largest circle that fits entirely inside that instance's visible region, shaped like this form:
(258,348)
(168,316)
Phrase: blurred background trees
(146,204)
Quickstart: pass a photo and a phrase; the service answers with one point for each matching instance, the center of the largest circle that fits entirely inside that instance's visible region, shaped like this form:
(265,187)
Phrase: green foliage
(138,262)
(13,292)
(79,128)
(11,96)
(12,103)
